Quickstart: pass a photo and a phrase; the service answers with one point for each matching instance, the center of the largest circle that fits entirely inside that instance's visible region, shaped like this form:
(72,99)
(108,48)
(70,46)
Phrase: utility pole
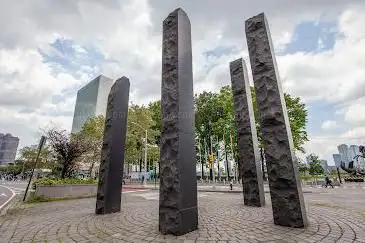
(226,154)
(235,164)
(205,151)
(200,158)
(145,149)
(212,153)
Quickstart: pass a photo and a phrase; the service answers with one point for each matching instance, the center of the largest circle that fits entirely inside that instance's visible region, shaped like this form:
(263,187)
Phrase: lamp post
(145,148)
(225,151)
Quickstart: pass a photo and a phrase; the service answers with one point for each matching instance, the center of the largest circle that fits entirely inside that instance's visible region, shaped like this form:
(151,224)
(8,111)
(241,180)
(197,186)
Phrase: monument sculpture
(178,212)
(253,188)
(108,197)
(285,188)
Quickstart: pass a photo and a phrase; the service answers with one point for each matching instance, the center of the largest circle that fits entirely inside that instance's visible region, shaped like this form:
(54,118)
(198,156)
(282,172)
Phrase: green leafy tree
(315,167)
(303,168)
(297,115)
(91,134)
(28,156)
(140,119)
(67,148)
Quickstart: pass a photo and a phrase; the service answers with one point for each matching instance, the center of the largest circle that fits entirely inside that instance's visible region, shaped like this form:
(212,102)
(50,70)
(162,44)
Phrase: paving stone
(74,221)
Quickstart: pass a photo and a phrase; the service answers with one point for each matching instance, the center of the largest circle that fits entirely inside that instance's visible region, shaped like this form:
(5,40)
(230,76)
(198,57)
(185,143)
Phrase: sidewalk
(205,188)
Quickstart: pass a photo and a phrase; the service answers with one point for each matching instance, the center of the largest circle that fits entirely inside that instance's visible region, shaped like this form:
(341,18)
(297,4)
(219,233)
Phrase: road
(8,190)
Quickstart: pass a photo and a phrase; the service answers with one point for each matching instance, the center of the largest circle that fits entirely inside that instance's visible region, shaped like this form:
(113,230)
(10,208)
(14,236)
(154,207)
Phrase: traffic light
(211,161)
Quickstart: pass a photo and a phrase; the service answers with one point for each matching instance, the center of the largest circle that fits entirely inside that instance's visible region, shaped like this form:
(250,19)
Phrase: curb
(201,190)
(5,206)
(14,203)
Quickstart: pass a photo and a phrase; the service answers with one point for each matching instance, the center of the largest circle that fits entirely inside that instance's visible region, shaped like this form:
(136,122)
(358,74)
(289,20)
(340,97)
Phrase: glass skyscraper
(91,101)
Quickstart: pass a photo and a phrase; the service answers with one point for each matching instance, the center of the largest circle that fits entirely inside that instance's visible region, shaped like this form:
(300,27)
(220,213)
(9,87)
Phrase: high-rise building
(91,101)
(353,151)
(343,150)
(324,165)
(8,148)
(337,160)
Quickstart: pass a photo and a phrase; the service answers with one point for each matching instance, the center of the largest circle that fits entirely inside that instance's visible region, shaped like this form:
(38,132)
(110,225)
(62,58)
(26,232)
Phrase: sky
(49,49)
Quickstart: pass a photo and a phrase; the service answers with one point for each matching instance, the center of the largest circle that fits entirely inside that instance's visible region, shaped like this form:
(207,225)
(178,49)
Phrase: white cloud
(128,32)
(329,125)
(355,114)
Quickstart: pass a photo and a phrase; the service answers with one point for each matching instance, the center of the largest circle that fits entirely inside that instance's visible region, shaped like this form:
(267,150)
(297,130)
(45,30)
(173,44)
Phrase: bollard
(231,185)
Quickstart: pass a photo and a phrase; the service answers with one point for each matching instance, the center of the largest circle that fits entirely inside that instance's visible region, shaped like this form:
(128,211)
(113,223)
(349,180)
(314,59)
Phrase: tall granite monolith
(178,212)
(253,188)
(285,188)
(108,197)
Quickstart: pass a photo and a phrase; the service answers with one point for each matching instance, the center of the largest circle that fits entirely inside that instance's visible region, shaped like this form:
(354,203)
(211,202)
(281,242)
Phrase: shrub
(354,179)
(66,181)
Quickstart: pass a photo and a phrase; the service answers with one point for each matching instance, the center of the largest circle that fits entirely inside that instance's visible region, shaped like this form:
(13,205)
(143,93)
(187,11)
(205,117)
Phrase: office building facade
(337,159)
(8,148)
(324,165)
(91,101)
(343,150)
(347,154)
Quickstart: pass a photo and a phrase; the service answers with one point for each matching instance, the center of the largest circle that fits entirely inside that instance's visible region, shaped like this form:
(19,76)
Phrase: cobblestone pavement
(222,218)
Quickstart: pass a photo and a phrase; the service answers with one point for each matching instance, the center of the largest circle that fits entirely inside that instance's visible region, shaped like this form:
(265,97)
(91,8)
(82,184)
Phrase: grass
(41,199)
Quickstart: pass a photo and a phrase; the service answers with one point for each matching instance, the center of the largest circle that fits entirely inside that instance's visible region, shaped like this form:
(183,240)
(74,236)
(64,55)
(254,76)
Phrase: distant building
(8,148)
(324,165)
(337,160)
(91,101)
(353,151)
(332,168)
(347,154)
(343,150)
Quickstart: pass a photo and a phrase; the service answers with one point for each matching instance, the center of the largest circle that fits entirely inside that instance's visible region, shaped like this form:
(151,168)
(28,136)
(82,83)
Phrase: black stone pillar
(253,188)
(285,188)
(178,212)
(112,154)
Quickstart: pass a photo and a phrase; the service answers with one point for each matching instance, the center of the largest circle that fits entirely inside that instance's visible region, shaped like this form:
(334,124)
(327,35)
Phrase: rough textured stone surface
(178,212)
(285,188)
(253,188)
(112,155)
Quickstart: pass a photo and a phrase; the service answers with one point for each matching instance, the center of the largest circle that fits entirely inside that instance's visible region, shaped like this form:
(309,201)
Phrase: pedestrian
(142,179)
(328,181)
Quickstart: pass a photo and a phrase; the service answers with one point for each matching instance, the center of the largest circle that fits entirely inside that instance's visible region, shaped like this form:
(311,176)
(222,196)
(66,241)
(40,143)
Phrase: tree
(67,149)
(297,115)
(303,168)
(28,156)
(315,167)
(91,134)
(155,111)
(140,119)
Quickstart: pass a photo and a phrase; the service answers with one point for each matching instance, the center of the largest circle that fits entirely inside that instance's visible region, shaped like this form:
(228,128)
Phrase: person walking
(328,182)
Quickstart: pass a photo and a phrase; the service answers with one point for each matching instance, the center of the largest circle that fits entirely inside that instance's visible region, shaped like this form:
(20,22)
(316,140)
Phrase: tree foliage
(315,167)
(214,115)
(91,135)
(67,149)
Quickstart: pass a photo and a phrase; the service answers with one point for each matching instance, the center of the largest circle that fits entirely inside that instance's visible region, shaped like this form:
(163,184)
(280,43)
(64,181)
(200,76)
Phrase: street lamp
(145,148)
(225,150)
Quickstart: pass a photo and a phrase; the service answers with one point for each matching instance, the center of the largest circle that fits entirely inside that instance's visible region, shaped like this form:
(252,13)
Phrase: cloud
(123,37)
(329,125)
(355,114)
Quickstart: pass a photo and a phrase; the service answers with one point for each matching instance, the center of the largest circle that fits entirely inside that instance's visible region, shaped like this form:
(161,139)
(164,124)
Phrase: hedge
(71,181)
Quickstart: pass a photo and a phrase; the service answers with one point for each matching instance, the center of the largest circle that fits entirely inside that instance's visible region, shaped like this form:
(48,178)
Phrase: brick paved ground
(223,218)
